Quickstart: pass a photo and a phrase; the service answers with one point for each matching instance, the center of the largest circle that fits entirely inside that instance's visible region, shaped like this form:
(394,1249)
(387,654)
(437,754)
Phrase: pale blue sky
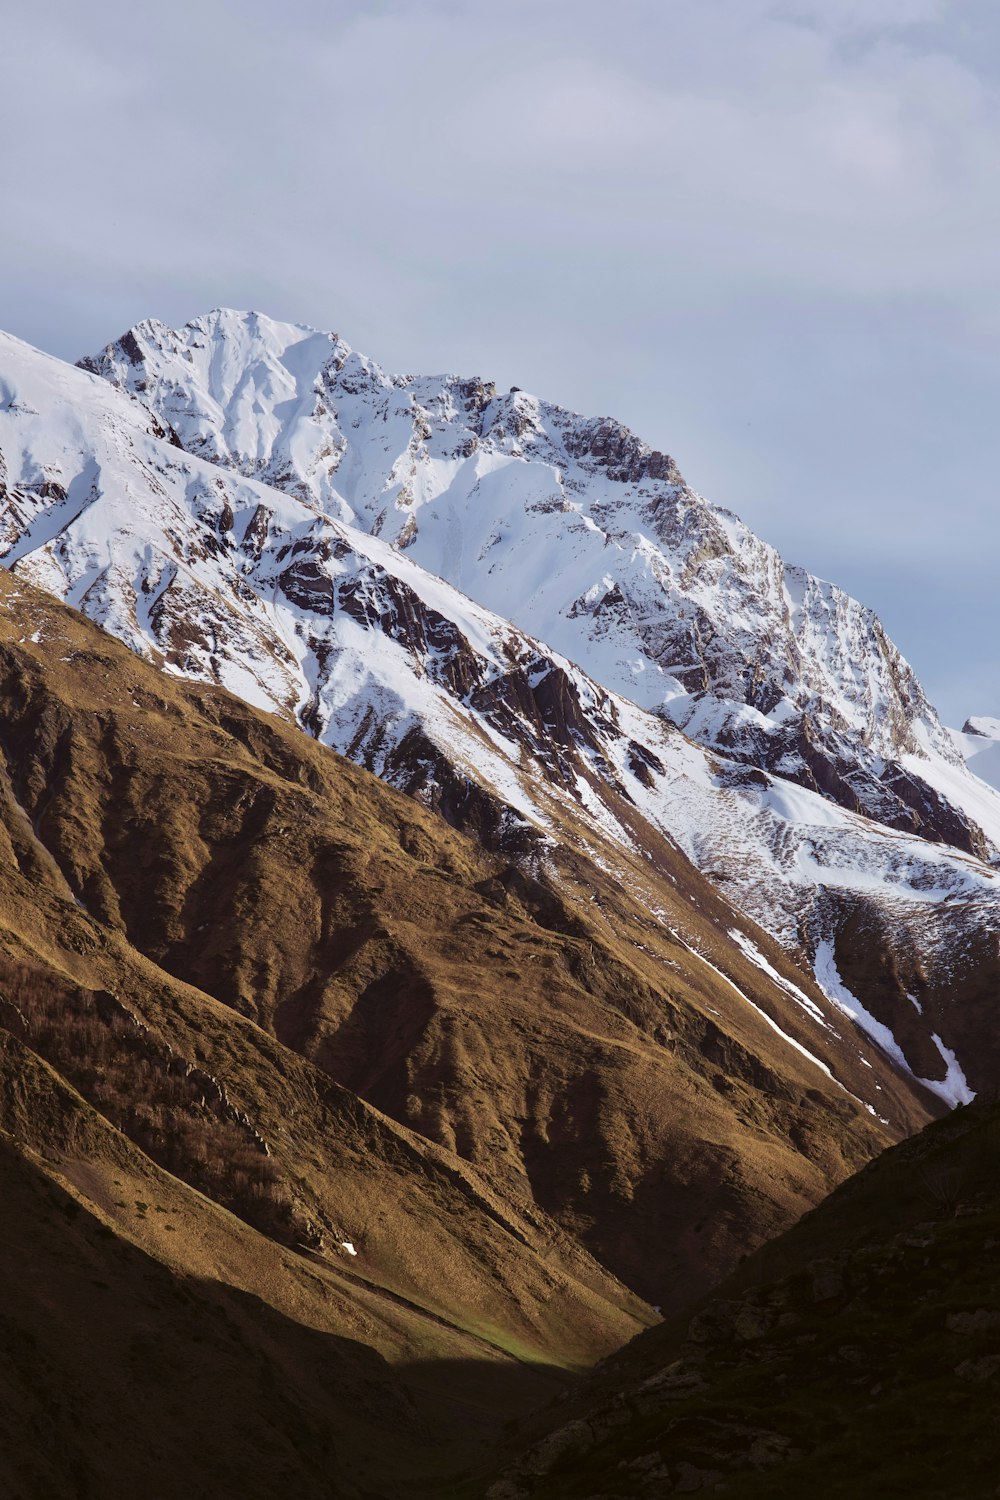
(764,234)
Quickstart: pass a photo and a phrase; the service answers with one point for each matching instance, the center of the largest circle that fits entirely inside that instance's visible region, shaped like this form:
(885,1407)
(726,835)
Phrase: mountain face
(305,1091)
(278,594)
(662,1091)
(216,1256)
(222,1265)
(580,535)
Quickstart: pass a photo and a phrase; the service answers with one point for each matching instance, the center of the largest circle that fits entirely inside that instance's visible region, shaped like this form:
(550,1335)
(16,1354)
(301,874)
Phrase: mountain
(423,1088)
(580,535)
(625,1075)
(857,1354)
(978,742)
(277,594)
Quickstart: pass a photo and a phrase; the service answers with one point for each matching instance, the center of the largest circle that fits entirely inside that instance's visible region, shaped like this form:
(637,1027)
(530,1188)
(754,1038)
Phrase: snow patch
(817,1062)
(799,996)
(953,1088)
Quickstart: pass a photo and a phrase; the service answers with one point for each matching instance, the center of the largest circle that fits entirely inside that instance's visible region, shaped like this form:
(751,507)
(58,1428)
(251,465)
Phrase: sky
(764,233)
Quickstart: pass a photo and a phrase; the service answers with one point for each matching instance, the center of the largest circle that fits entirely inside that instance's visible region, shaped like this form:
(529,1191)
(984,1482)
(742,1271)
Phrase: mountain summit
(583,537)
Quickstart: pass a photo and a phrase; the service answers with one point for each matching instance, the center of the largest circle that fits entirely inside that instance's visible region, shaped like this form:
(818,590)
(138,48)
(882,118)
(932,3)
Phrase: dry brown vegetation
(123,1375)
(176,1113)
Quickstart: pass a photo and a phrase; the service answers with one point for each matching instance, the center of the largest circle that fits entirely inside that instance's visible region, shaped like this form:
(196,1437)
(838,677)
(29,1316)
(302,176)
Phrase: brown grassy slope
(428,1227)
(449,1317)
(858,1354)
(558,1038)
(120,1374)
(151,1343)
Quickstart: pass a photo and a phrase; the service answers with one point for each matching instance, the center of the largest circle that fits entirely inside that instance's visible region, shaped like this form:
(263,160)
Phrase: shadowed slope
(119,1376)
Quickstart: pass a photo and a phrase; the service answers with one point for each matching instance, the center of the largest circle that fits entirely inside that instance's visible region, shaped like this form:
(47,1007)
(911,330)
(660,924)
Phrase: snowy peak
(985,728)
(234,388)
(581,535)
(978,743)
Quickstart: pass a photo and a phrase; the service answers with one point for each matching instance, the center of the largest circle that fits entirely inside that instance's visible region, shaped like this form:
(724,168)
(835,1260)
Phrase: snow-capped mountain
(207,513)
(581,536)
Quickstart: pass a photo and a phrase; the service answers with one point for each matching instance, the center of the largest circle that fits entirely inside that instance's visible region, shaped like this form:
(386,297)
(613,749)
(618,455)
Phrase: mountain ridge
(221,577)
(463,441)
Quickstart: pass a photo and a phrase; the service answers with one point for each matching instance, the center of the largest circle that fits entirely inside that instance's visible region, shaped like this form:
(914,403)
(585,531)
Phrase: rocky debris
(977,1371)
(980,1320)
(827,1280)
(572,1441)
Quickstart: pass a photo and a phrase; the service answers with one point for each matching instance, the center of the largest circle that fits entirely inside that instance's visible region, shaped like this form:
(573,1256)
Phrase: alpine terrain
(461,894)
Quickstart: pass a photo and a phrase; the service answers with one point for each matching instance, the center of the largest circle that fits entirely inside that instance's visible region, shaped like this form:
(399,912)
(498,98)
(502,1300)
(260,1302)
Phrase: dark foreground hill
(856,1355)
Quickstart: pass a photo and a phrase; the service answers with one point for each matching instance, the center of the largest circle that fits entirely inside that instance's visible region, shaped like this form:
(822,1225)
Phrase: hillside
(594,1062)
(164,1149)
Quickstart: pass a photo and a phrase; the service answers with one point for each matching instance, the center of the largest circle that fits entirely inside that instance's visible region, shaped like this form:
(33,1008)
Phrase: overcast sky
(762,232)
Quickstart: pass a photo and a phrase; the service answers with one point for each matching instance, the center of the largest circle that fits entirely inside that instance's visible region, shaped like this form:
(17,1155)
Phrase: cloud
(741,139)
